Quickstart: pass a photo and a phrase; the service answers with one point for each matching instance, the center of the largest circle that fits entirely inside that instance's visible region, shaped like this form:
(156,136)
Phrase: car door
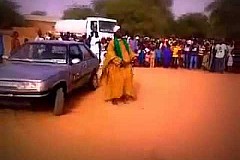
(90,60)
(77,70)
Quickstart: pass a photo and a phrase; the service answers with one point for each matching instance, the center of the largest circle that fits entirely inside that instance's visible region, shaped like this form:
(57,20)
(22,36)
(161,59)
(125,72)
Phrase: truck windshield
(41,52)
(106,26)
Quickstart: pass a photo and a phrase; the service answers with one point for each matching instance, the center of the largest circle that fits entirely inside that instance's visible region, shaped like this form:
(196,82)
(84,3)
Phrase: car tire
(59,102)
(94,82)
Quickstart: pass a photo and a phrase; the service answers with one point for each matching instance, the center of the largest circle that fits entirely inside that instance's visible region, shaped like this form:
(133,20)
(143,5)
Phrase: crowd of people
(212,55)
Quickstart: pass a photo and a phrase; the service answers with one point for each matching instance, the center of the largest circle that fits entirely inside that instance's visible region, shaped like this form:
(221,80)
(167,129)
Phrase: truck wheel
(59,102)
(93,83)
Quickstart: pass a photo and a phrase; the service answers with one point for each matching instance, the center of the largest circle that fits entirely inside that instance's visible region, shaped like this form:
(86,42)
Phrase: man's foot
(114,102)
(125,100)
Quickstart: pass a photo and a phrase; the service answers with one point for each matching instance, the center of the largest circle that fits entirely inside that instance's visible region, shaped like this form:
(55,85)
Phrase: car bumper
(24,95)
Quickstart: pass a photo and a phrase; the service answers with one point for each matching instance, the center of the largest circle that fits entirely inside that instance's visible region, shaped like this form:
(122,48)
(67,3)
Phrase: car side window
(86,54)
(75,52)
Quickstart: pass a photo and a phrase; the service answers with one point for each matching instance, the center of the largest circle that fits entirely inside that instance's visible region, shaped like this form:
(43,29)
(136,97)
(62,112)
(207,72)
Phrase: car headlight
(30,86)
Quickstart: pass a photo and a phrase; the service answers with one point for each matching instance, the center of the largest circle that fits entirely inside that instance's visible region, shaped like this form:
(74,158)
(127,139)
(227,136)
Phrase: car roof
(56,42)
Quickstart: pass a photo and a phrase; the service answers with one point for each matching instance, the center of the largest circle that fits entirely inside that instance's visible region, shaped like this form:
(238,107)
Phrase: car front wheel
(93,83)
(59,102)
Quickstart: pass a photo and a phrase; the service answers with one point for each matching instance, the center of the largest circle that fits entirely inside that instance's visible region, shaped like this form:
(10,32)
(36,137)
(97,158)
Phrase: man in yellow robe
(117,75)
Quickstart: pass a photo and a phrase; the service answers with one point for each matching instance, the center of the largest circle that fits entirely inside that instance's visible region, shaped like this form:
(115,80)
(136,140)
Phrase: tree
(136,17)
(193,24)
(76,12)
(224,18)
(9,15)
(39,13)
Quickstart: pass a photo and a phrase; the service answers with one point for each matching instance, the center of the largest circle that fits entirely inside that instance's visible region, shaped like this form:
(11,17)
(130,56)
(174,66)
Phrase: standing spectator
(187,54)
(212,56)
(88,40)
(194,53)
(229,62)
(200,55)
(158,53)
(61,36)
(167,56)
(206,57)
(175,50)
(141,56)
(133,44)
(48,36)
(147,57)
(181,56)
(40,36)
(26,40)
(94,45)
(230,48)
(221,50)
(152,58)
(15,43)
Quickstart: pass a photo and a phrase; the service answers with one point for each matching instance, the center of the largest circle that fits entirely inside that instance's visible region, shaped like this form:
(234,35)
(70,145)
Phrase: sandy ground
(179,115)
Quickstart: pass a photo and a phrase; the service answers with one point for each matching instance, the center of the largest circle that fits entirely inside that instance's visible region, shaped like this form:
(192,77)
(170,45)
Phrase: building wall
(24,32)
(29,32)
(44,26)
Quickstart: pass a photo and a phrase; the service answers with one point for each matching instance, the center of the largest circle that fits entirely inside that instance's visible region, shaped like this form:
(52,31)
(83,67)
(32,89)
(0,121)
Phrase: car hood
(18,71)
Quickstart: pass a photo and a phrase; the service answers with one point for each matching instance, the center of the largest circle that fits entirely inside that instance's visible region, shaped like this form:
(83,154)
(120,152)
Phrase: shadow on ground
(43,105)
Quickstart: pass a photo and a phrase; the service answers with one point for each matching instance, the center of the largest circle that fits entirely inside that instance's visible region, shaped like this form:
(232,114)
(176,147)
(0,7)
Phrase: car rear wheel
(59,102)
(93,83)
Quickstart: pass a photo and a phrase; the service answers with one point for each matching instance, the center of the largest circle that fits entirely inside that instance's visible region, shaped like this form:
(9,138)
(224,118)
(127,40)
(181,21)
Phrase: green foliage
(192,25)
(224,18)
(149,17)
(39,13)
(78,13)
(9,15)
(154,17)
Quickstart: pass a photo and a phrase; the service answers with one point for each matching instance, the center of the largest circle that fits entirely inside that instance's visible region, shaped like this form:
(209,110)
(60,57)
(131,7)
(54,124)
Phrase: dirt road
(179,115)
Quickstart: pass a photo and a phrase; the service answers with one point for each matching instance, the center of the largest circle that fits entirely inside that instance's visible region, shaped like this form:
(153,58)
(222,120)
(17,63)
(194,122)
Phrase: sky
(56,7)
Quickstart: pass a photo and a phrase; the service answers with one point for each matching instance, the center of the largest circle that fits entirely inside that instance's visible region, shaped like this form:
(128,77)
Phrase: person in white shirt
(221,50)
(95,45)
(187,55)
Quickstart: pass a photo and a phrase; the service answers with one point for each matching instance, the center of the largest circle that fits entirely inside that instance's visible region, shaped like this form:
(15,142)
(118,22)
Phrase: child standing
(230,62)
(230,57)
(147,57)
(152,58)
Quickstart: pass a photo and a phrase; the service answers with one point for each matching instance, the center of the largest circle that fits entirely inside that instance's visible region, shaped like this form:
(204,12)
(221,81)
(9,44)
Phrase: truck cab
(100,27)
(94,27)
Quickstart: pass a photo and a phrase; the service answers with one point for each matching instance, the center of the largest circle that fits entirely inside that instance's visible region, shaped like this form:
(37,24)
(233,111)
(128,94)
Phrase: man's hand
(134,58)
(124,64)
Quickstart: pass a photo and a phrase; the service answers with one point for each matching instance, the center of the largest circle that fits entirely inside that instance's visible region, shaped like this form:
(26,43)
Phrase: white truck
(96,27)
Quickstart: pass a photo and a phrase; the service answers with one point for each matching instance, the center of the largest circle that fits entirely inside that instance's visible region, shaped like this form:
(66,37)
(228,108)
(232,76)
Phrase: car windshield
(106,26)
(41,52)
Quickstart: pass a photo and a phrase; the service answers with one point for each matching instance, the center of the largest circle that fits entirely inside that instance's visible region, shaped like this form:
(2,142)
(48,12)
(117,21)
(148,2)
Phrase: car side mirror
(75,61)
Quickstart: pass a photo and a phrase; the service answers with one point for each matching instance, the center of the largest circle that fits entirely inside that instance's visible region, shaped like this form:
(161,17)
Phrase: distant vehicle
(95,27)
(44,69)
